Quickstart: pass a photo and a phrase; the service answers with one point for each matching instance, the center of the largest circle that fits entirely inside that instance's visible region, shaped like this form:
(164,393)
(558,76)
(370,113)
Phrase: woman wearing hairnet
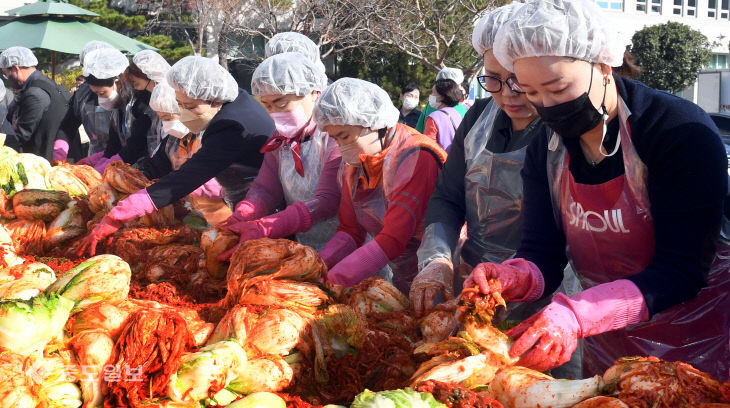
(294,42)
(83,109)
(480,182)
(179,145)
(389,174)
(300,161)
(632,181)
(454,74)
(441,124)
(141,128)
(236,127)
(103,68)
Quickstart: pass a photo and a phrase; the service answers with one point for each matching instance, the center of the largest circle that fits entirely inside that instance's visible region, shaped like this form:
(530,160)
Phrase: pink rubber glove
(211,189)
(337,248)
(103,162)
(132,207)
(606,307)
(91,160)
(245,210)
(521,280)
(365,262)
(106,227)
(293,219)
(60,150)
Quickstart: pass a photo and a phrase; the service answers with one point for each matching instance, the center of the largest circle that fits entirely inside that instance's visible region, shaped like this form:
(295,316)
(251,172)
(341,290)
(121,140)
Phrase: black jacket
(69,128)
(41,106)
(233,137)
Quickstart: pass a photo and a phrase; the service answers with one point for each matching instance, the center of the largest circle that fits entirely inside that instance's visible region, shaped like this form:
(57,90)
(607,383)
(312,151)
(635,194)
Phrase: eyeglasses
(494,85)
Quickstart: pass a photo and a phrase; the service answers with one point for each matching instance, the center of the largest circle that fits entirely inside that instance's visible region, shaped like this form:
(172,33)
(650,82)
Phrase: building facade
(710,17)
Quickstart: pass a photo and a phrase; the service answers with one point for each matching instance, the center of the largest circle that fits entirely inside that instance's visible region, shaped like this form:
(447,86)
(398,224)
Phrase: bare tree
(337,25)
(436,33)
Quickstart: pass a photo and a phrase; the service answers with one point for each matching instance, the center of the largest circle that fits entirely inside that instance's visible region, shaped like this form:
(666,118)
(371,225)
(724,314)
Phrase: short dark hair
(94,81)
(450,92)
(133,70)
(411,86)
(80,78)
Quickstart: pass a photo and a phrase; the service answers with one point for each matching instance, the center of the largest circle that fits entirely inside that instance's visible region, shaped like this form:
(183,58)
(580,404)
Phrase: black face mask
(573,118)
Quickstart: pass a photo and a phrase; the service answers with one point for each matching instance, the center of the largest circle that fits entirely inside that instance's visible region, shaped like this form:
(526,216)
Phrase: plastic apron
(95,119)
(314,155)
(493,187)
(610,235)
(154,133)
(370,206)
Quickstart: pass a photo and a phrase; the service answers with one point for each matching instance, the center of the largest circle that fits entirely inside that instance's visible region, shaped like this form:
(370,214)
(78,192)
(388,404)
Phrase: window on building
(641,5)
(721,62)
(677,8)
(617,5)
(656,6)
(691,7)
(724,6)
(718,61)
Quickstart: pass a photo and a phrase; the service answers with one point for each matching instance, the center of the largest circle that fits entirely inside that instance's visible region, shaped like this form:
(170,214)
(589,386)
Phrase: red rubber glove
(106,227)
(520,279)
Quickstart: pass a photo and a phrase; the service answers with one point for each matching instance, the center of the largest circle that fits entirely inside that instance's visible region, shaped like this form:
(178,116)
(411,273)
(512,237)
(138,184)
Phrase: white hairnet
(152,64)
(485,29)
(454,74)
(202,78)
(287,73)
(92,45)
(2,96)
(294,42)
(105,63)
(20,56)
(561,28)
(355,102)
(163,99)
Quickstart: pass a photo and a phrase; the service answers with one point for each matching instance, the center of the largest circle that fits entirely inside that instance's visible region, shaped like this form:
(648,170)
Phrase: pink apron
(610,235)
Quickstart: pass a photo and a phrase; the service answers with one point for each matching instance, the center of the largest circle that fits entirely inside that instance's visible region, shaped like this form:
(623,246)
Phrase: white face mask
(109,103)
(433,101)
(196,123)
(410,103)
(368,143)
(288,124)
(175,128)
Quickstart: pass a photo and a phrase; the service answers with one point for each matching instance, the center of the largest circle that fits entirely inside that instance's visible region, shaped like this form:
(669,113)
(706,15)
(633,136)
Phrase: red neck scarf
(295,144)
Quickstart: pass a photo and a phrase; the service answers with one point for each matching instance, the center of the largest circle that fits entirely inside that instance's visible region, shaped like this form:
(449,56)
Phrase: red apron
(610,235)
